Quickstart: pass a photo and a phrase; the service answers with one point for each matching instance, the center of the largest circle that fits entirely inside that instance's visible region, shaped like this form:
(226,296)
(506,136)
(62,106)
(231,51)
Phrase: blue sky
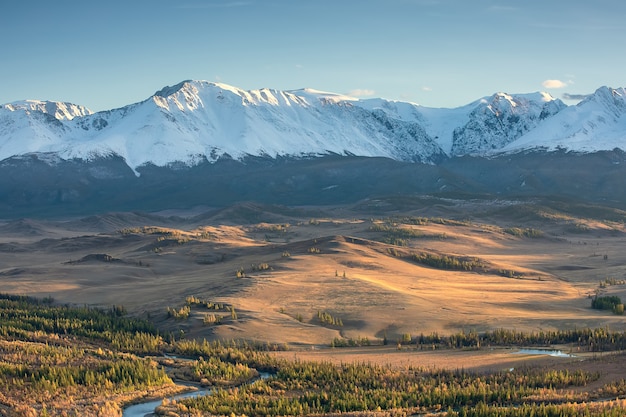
(438,53)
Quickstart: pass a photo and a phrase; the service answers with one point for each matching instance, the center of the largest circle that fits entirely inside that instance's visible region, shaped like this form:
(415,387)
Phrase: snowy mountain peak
(596,123)
(609,98)
(59,110)
(190,95)
(194,92)
(195,121)
(501,119)
(516,100)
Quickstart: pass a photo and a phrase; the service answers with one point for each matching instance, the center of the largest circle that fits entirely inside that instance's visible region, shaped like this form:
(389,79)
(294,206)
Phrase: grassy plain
(295,263)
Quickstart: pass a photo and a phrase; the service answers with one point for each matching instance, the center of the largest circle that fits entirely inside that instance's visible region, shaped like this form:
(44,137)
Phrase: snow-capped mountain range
(198,121)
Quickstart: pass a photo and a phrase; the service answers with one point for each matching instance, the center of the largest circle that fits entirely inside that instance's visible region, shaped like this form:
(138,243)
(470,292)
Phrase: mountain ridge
(196,121)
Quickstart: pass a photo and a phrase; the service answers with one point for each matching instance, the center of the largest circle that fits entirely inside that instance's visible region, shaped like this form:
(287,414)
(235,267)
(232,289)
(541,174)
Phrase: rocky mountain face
(500,120)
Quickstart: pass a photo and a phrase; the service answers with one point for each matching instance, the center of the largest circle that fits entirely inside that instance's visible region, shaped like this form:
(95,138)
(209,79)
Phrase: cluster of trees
(54,357)
(612,303)
(193,301)
(266,227)
(397,231)
(611,281)
(183,312)
(179,313)
(595,340)
(263,266)
(167,241)
(21,316)
(307,388)
(49,353)
(450,262)
(211,319)
(327,318)
(253,355)
(149,230)
(608,409)
(112,374)
(524,232)
(351,342)
(510,273)
(215,371)
(592,340)
(165,237)
(139,343)
(422,221)
(212,370)
(400,236)
(206,235)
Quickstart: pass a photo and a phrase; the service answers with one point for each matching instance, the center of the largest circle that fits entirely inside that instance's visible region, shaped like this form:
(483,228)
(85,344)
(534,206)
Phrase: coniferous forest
(79,361)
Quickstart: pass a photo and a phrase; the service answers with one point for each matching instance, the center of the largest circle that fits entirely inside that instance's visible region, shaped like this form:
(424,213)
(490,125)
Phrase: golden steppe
(296,262)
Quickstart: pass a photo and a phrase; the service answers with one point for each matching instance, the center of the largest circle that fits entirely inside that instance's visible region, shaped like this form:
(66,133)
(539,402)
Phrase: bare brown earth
(298,262)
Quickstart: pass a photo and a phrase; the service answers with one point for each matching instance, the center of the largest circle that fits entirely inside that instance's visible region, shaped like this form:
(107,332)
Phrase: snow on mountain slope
(596,123)
(35,126)
(195,121)
(23,131)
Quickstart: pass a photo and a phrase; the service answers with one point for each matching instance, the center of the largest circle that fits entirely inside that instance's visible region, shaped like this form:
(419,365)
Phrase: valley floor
(384,279)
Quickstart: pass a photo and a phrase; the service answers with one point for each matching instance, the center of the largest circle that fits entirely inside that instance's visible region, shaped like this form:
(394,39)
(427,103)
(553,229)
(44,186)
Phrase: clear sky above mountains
(438,53)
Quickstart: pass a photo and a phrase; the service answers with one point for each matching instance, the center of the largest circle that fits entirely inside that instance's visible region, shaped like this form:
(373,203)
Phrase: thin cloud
(425,88)
(361,92)
(423,2)
(570,26)
(554,84)
(568,96)
(213,5)
(507,9)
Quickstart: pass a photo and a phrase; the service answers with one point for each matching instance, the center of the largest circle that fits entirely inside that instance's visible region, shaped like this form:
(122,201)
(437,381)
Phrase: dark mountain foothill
(31,187)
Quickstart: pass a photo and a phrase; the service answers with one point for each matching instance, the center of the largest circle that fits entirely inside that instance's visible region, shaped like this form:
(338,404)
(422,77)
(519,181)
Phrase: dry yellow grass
(332,265)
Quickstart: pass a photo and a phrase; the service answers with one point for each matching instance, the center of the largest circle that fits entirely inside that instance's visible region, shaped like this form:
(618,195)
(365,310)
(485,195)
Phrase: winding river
(549,352)
(147,408)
